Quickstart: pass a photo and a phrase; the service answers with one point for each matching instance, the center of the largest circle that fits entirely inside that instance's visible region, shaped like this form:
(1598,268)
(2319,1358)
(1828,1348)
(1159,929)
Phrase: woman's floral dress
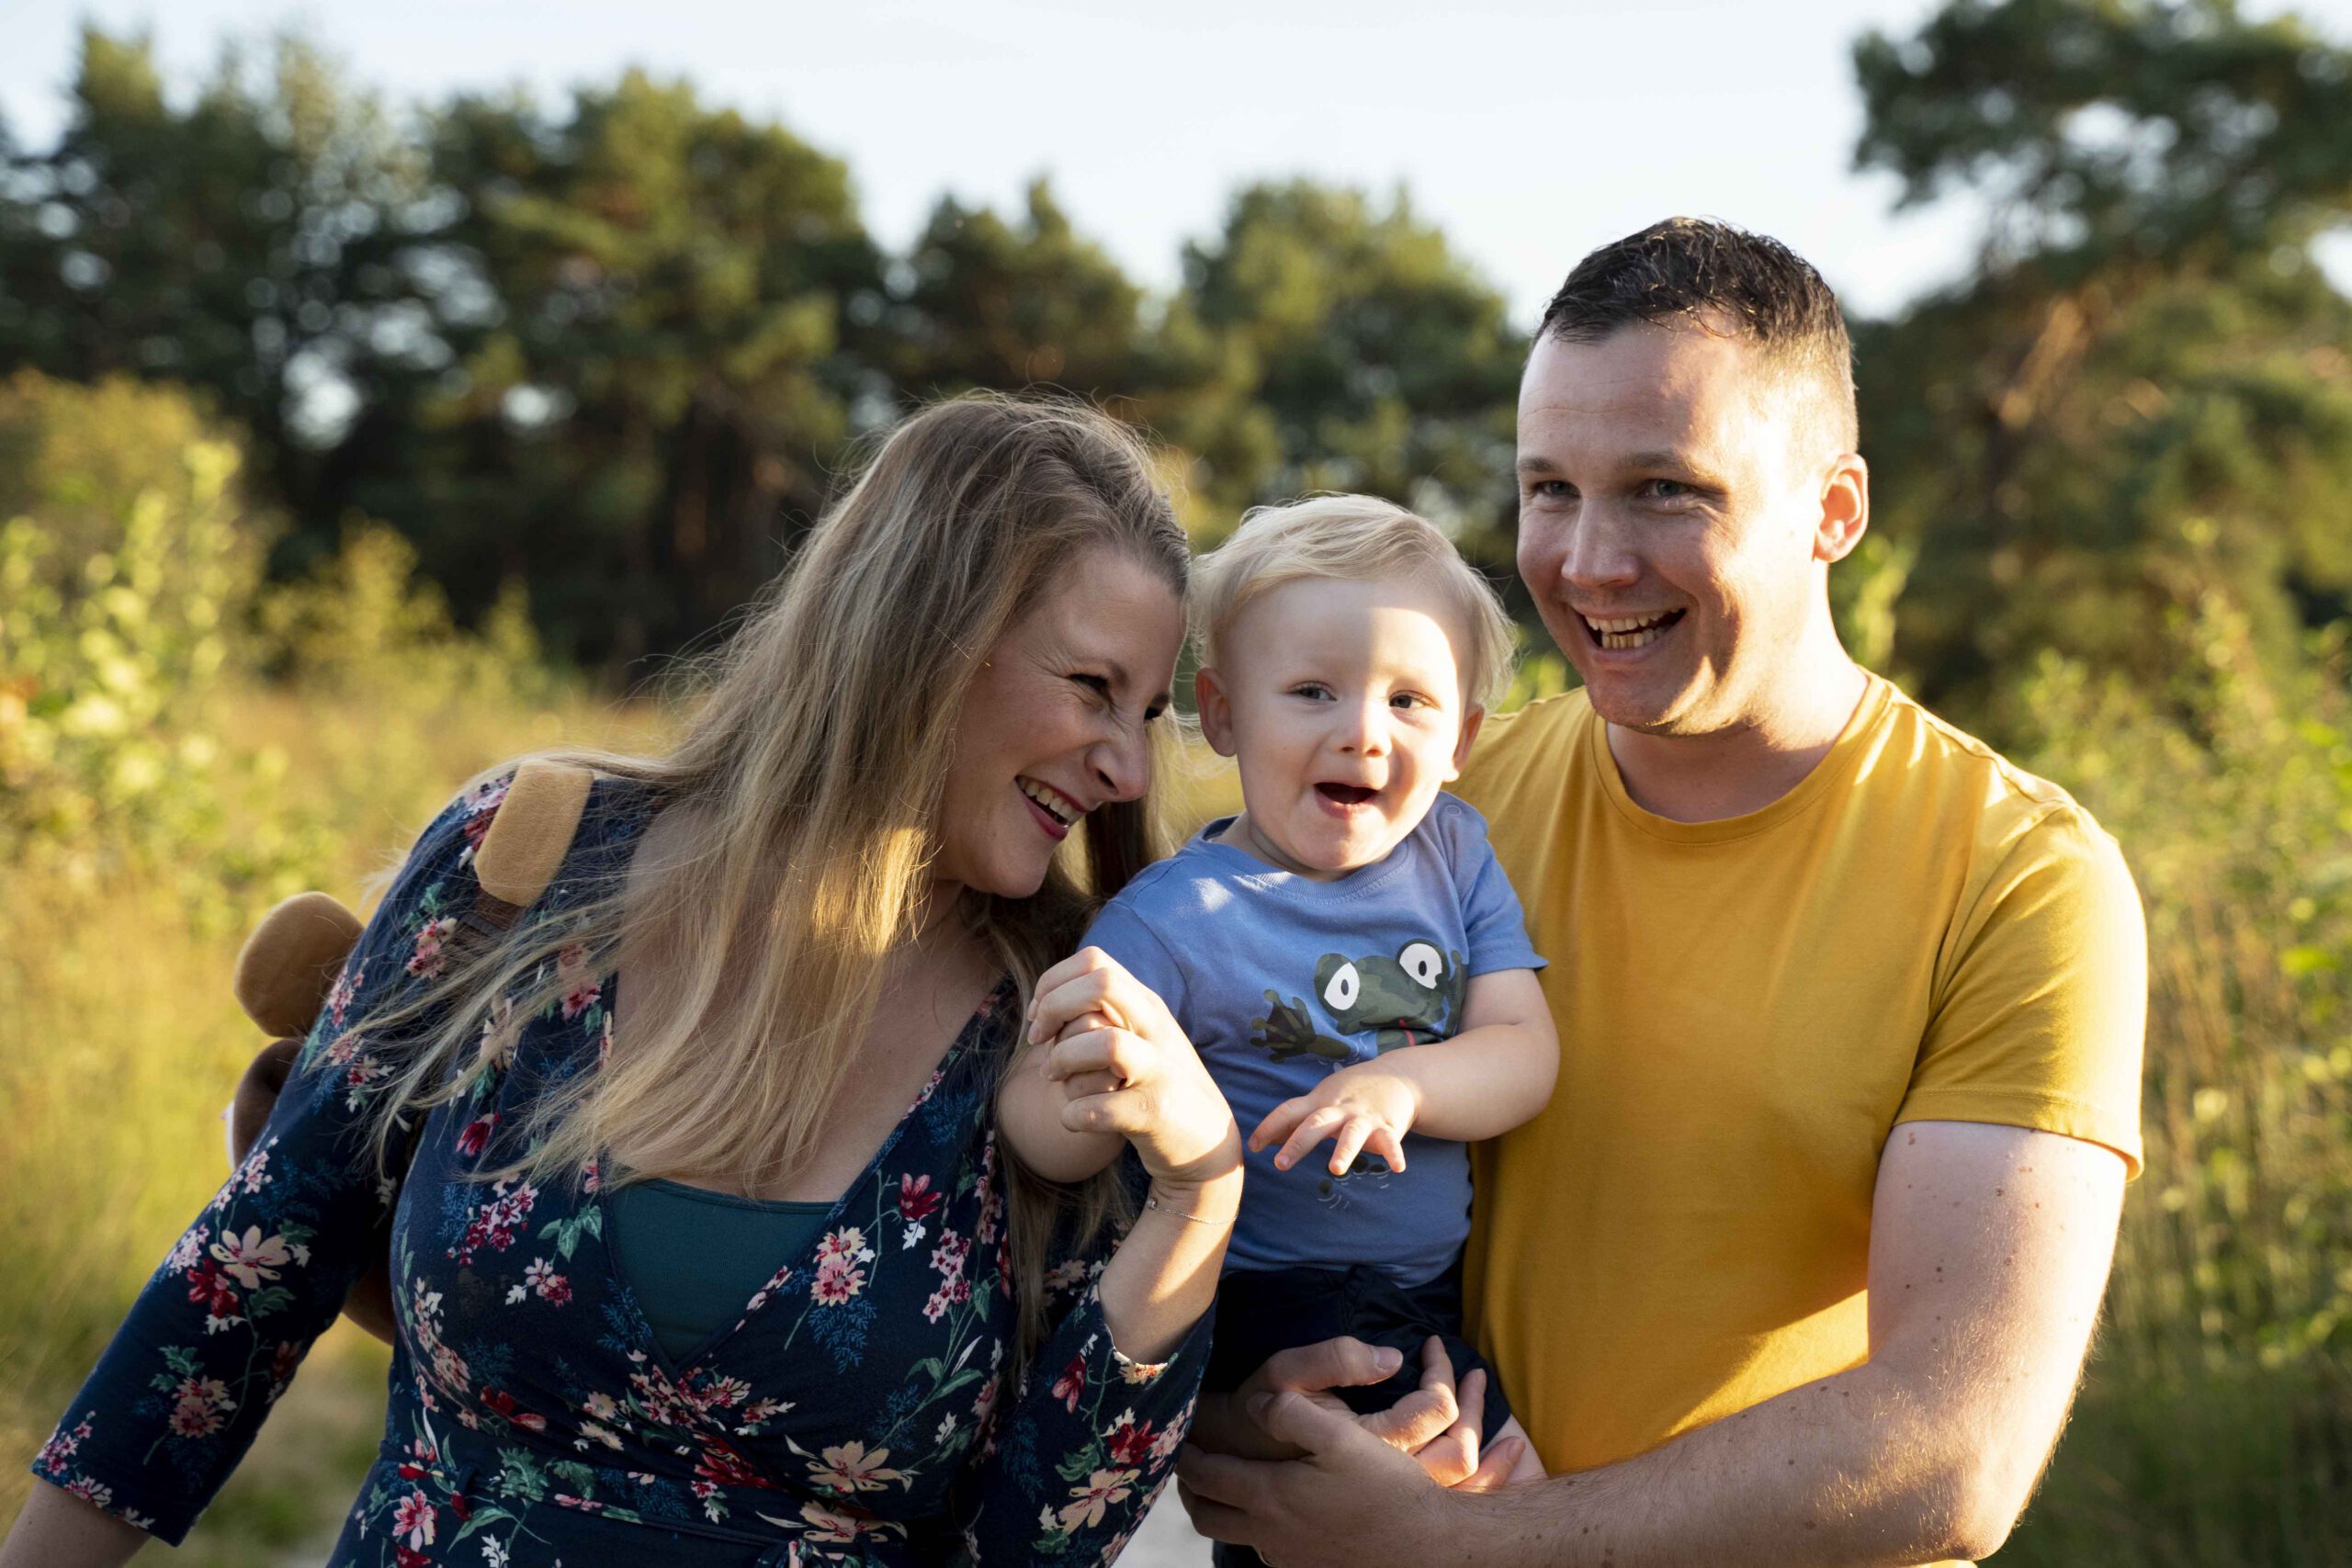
(857,1413)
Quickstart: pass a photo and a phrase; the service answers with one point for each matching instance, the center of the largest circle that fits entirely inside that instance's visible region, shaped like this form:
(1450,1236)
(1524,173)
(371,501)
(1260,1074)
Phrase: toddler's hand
(1358,1108)
(1125,1068)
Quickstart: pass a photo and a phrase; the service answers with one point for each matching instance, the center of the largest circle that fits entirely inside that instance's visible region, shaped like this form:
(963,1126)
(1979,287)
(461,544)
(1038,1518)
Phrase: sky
(1529,131)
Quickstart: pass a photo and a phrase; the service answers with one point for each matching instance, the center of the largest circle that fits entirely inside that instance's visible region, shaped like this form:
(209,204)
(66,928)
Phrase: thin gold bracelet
(1151,1200)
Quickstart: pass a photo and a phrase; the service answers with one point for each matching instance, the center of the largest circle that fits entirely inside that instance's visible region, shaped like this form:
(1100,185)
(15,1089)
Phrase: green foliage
(2239,1252)
(1356,351)
(665,376)
(253,244)
(2217,1428)
(620,347)
(2116,131)
(984,302)
(2144,385)
(116,619)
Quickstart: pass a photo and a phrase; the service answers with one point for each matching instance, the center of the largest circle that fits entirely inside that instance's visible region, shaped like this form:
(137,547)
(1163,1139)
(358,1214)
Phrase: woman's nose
(1123,765)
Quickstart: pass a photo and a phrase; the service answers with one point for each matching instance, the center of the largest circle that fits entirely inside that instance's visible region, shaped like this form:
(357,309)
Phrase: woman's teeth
(1054,806)
(1632,631)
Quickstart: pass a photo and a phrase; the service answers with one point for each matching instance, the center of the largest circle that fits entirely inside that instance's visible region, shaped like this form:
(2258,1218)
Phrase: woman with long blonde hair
(704,1249)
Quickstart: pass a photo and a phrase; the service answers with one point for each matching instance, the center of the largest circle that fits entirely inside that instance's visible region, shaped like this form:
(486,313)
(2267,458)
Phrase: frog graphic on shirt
(1409,1000)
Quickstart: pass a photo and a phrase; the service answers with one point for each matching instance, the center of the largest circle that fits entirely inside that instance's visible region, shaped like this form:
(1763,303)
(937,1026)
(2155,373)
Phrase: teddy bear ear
(289,965)
(532,832)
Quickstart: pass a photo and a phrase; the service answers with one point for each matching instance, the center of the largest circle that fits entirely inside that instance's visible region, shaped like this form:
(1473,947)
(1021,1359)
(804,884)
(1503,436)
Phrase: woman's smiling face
(1053,724)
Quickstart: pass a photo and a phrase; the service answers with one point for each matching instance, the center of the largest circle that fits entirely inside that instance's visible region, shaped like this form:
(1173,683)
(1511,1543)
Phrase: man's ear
(1845,509)
(1470,723)
(1215,709)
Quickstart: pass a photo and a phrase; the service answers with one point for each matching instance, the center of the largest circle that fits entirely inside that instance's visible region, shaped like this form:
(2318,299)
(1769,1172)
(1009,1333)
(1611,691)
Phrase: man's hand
(1357,1108)
(1348,1488)
(1437,1424)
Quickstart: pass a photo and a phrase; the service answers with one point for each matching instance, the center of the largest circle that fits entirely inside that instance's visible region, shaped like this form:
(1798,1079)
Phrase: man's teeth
(1056,806)
(1632,631)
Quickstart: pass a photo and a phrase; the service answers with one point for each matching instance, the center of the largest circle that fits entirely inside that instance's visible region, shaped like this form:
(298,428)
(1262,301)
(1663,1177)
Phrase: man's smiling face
(1667,525)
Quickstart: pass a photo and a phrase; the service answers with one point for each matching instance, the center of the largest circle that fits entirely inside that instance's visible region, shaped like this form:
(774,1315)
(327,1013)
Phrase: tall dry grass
(2215,1427)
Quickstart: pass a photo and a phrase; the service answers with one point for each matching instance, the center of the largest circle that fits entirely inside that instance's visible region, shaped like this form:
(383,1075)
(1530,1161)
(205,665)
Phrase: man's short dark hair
(1697,271)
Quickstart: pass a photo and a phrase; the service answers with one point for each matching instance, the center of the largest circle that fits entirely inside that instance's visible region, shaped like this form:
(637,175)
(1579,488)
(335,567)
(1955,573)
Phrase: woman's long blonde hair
(814,769)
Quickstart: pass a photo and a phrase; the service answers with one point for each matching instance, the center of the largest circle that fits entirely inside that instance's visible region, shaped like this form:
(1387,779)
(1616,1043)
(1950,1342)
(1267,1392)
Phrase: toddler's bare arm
(1495,1073)
(1488,1079)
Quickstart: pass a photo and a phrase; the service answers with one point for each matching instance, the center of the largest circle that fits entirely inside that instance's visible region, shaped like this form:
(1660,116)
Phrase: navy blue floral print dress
(857,1412)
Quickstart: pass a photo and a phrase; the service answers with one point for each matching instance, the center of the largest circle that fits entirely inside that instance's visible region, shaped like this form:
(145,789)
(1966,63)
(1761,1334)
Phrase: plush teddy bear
(290,962)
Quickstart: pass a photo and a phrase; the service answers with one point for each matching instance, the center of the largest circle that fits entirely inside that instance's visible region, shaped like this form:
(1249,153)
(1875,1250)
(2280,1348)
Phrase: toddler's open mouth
(1346,794)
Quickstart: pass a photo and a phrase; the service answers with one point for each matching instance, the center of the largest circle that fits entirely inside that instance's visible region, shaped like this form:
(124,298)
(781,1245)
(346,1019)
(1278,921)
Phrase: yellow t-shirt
(1918,931)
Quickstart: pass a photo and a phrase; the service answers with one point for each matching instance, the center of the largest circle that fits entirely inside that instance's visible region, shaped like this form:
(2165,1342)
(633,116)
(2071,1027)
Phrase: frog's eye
(1423,961)
(1339,992)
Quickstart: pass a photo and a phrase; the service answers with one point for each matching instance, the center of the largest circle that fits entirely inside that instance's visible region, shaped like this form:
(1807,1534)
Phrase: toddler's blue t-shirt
(1281,980)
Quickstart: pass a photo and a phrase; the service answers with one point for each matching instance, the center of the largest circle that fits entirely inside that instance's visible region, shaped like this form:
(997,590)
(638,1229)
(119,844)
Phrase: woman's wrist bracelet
(1151,1200)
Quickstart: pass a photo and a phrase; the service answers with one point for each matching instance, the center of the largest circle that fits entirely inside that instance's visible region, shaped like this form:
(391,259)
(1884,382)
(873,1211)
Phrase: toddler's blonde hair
(1353,538)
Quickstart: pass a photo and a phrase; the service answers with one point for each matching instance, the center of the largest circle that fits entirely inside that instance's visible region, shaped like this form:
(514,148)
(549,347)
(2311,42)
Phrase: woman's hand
(1357,1108)
(1125,1068)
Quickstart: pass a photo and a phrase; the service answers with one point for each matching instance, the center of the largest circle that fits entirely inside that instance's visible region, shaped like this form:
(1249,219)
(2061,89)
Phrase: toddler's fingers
(1074,985)
(1086,1023)
(1384,1142)
(1280,1121)
(1113,1051)
(1054,1011)
(1084,1086)
(1353,1134)
(1122,1111)
(1318,1124)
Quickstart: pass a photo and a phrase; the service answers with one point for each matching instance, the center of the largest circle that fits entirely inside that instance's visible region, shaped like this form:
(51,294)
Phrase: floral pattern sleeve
(1087,1446)
(215,1336)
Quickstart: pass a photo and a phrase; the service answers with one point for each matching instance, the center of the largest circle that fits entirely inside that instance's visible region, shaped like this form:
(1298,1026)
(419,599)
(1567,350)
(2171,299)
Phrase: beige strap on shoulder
(526,841)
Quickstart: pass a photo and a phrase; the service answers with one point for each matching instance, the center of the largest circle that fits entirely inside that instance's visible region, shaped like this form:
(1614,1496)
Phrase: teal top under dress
(694,1256)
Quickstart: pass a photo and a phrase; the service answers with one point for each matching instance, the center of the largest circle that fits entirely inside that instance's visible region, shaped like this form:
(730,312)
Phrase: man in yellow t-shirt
(1802,1261)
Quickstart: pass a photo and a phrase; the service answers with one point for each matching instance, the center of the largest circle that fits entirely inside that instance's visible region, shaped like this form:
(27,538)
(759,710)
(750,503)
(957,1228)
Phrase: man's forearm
(1850,1470)
(1989,1251)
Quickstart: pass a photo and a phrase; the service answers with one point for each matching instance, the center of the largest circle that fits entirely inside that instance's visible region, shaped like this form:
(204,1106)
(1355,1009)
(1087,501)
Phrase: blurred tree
(2146,383)
(1352,350)
(989,303)
(670,373)
(257,244)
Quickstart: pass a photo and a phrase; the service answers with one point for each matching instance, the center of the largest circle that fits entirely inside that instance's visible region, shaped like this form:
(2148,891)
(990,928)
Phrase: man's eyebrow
(1533,464)
(1661,458)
